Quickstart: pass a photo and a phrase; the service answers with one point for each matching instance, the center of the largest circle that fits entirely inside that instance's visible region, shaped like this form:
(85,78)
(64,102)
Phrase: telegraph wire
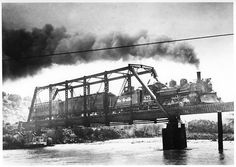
(121,47)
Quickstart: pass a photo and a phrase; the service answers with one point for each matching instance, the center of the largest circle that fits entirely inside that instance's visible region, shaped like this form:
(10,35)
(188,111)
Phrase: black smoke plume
(22,48)
(180,52)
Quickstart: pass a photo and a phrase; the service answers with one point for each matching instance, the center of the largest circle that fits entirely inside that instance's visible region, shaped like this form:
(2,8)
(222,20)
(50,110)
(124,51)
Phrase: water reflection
(221,156)
(69,155)
(143,151)
(175,157)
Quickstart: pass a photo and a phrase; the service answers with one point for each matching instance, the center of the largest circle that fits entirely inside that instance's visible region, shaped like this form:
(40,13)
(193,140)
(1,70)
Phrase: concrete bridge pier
(174,135)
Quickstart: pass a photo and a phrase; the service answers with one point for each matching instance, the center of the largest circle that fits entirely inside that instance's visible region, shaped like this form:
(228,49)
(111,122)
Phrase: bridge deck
(149,114)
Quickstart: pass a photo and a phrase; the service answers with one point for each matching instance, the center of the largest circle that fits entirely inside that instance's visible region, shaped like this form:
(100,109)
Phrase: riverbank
(209,136)
(92,134)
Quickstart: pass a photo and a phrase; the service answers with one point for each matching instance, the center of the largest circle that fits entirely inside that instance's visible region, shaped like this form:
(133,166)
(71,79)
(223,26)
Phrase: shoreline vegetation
(15,108)
(195,130)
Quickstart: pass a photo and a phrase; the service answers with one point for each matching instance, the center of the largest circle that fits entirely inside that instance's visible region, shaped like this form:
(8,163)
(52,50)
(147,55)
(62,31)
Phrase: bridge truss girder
(85,83)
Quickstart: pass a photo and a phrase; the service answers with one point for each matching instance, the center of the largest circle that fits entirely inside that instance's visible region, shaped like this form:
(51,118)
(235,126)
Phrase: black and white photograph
(117,83)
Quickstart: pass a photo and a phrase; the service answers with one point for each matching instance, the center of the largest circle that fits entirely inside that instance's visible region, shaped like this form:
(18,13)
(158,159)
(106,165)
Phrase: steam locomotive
(173,95)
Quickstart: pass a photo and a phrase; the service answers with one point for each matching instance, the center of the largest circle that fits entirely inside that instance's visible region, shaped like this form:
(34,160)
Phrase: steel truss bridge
(155,112)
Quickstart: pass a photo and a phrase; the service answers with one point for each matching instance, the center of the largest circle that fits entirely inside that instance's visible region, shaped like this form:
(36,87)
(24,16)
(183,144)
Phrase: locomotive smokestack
(198,76)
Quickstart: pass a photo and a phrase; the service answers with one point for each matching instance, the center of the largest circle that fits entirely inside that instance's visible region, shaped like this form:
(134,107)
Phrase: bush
(202,126)
(206,126)
(58,139)
(108,133)
(12,141)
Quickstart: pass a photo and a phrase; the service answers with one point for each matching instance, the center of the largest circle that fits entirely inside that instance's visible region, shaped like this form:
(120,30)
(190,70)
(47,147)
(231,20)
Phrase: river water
(138,151)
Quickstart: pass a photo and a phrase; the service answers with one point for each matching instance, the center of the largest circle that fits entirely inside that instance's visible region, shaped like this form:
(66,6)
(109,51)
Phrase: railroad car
(41,110)
(75,106)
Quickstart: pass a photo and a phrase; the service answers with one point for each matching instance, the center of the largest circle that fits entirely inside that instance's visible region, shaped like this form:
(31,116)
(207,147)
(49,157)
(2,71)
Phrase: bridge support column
(174,136)
(220,132)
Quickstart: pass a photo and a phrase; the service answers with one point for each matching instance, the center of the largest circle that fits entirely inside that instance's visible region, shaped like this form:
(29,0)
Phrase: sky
(173,20)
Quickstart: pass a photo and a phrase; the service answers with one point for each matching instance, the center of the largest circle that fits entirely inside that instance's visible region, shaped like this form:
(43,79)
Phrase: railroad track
(145,115)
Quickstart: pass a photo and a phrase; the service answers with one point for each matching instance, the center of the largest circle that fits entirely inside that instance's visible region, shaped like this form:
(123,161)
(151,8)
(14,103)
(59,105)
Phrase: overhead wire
(120,47)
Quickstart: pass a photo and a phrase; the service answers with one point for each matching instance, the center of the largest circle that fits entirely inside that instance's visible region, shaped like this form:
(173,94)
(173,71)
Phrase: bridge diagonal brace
(55,94)
(148,90)
(32,104)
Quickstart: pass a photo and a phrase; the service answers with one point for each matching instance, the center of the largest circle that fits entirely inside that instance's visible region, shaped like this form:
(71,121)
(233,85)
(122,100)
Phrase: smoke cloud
(18,44)
(20,49)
